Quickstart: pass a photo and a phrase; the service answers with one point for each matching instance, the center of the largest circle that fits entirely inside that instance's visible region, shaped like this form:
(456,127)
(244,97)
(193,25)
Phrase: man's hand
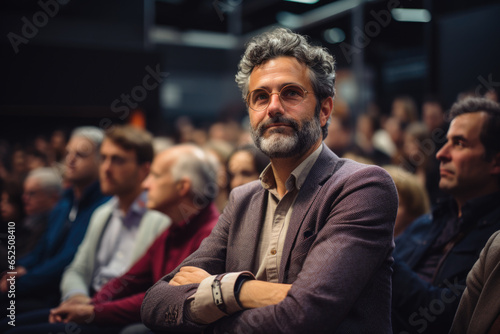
(189,275)
(19,271)
(77,313)
(255,293)
(78,299)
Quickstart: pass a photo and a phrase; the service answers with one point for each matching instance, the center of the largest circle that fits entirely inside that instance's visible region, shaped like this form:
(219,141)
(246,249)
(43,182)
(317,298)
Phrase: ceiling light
(308,2)
(334,35)
(411,15)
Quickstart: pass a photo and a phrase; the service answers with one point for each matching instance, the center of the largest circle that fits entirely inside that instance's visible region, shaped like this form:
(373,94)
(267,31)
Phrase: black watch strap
(217,293)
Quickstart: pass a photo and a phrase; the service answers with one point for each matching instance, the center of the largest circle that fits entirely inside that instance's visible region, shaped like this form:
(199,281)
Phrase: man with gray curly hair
(307,248)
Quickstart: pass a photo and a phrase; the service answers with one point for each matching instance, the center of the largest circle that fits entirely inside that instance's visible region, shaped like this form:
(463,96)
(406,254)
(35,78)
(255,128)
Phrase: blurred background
(161,63)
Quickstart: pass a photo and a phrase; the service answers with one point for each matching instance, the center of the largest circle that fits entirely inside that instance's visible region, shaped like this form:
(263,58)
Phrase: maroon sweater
(119,301)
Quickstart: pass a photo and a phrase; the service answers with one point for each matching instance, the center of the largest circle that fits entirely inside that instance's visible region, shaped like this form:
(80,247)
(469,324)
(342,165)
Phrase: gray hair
(197,166)
(282,42)
(92,133)
(50,180)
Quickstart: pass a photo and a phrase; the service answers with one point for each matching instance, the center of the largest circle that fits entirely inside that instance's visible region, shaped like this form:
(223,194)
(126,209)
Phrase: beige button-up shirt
(270,248)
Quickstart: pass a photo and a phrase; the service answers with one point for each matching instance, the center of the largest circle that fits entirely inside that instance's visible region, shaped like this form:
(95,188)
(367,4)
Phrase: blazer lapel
(321,171)
(249,235)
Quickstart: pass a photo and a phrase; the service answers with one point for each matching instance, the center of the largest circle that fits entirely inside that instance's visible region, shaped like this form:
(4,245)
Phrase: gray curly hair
(282,42)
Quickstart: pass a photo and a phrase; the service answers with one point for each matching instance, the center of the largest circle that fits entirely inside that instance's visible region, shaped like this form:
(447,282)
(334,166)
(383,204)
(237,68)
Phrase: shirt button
(273,251)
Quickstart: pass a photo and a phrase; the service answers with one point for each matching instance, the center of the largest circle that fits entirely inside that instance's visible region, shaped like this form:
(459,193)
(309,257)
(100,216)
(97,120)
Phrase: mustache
(277,119)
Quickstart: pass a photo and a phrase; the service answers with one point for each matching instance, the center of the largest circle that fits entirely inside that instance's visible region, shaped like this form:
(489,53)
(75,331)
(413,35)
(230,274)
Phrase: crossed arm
(253,293)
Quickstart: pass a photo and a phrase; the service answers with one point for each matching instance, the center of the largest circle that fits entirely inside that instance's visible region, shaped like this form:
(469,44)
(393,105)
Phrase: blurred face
(36,200)
(82,162)
(9,211)
(464,172)
(119,172)
(283,132)
(432,115)
(411,146)
(162,188)
(242,169)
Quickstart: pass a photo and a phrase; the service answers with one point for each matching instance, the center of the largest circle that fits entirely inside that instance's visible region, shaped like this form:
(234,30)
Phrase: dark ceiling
(89,52)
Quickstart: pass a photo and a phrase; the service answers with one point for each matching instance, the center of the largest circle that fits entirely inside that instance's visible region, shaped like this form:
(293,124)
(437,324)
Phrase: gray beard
(280,145)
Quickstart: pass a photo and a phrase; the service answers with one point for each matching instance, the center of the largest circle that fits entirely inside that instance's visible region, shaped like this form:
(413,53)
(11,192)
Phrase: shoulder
(157,217)
(103,210)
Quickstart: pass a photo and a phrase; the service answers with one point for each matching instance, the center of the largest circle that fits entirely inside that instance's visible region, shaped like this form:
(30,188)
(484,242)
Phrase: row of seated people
(332,268)
(97,286)
(159,214)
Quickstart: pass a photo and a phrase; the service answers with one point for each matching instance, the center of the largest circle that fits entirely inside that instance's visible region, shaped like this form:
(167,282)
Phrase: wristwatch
(217,292)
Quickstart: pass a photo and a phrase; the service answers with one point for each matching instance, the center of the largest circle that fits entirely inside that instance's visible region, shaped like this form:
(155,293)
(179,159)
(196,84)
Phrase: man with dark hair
(308,247)
(434,255)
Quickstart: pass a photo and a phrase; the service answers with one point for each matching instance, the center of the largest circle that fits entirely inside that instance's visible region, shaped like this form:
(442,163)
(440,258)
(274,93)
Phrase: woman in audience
(413,198)
(245,164)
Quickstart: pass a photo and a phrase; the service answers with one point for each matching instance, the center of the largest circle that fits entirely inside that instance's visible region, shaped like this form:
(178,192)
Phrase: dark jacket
(422,307)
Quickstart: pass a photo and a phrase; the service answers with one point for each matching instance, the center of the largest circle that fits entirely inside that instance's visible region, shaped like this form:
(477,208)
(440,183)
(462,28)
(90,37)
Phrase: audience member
(42,191)
(121,230)
(419,158)
(339,138)
(435,253)
(220,151)
(245,164)
(39,272)
(366,125)
(434,118)
(119,234)
(36,159)
(11,210)
(479,308)
(405,110)
(333,253)
(11,204)
(413,197)
(389,138)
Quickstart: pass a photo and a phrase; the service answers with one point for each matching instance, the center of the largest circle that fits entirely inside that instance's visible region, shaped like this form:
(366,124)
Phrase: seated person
(38,274)
(435,253)
(308,248)
(118,303)
(479,308)
(245,164)
(413,198)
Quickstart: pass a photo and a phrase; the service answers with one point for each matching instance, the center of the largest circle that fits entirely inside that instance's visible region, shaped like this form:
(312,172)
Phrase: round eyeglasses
(290,95)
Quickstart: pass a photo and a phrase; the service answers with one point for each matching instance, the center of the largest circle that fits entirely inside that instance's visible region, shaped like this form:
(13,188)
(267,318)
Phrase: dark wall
(469,52)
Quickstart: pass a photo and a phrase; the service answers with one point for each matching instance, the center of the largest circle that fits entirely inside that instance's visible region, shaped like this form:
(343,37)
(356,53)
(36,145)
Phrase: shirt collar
(296,178)
(473,210)
(138,207)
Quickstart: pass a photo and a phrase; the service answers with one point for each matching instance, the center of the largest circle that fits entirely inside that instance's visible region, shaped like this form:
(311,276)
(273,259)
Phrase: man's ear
(326,110)
(183,187)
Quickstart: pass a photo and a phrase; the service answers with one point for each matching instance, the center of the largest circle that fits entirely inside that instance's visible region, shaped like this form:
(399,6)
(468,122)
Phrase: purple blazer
(337,256)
